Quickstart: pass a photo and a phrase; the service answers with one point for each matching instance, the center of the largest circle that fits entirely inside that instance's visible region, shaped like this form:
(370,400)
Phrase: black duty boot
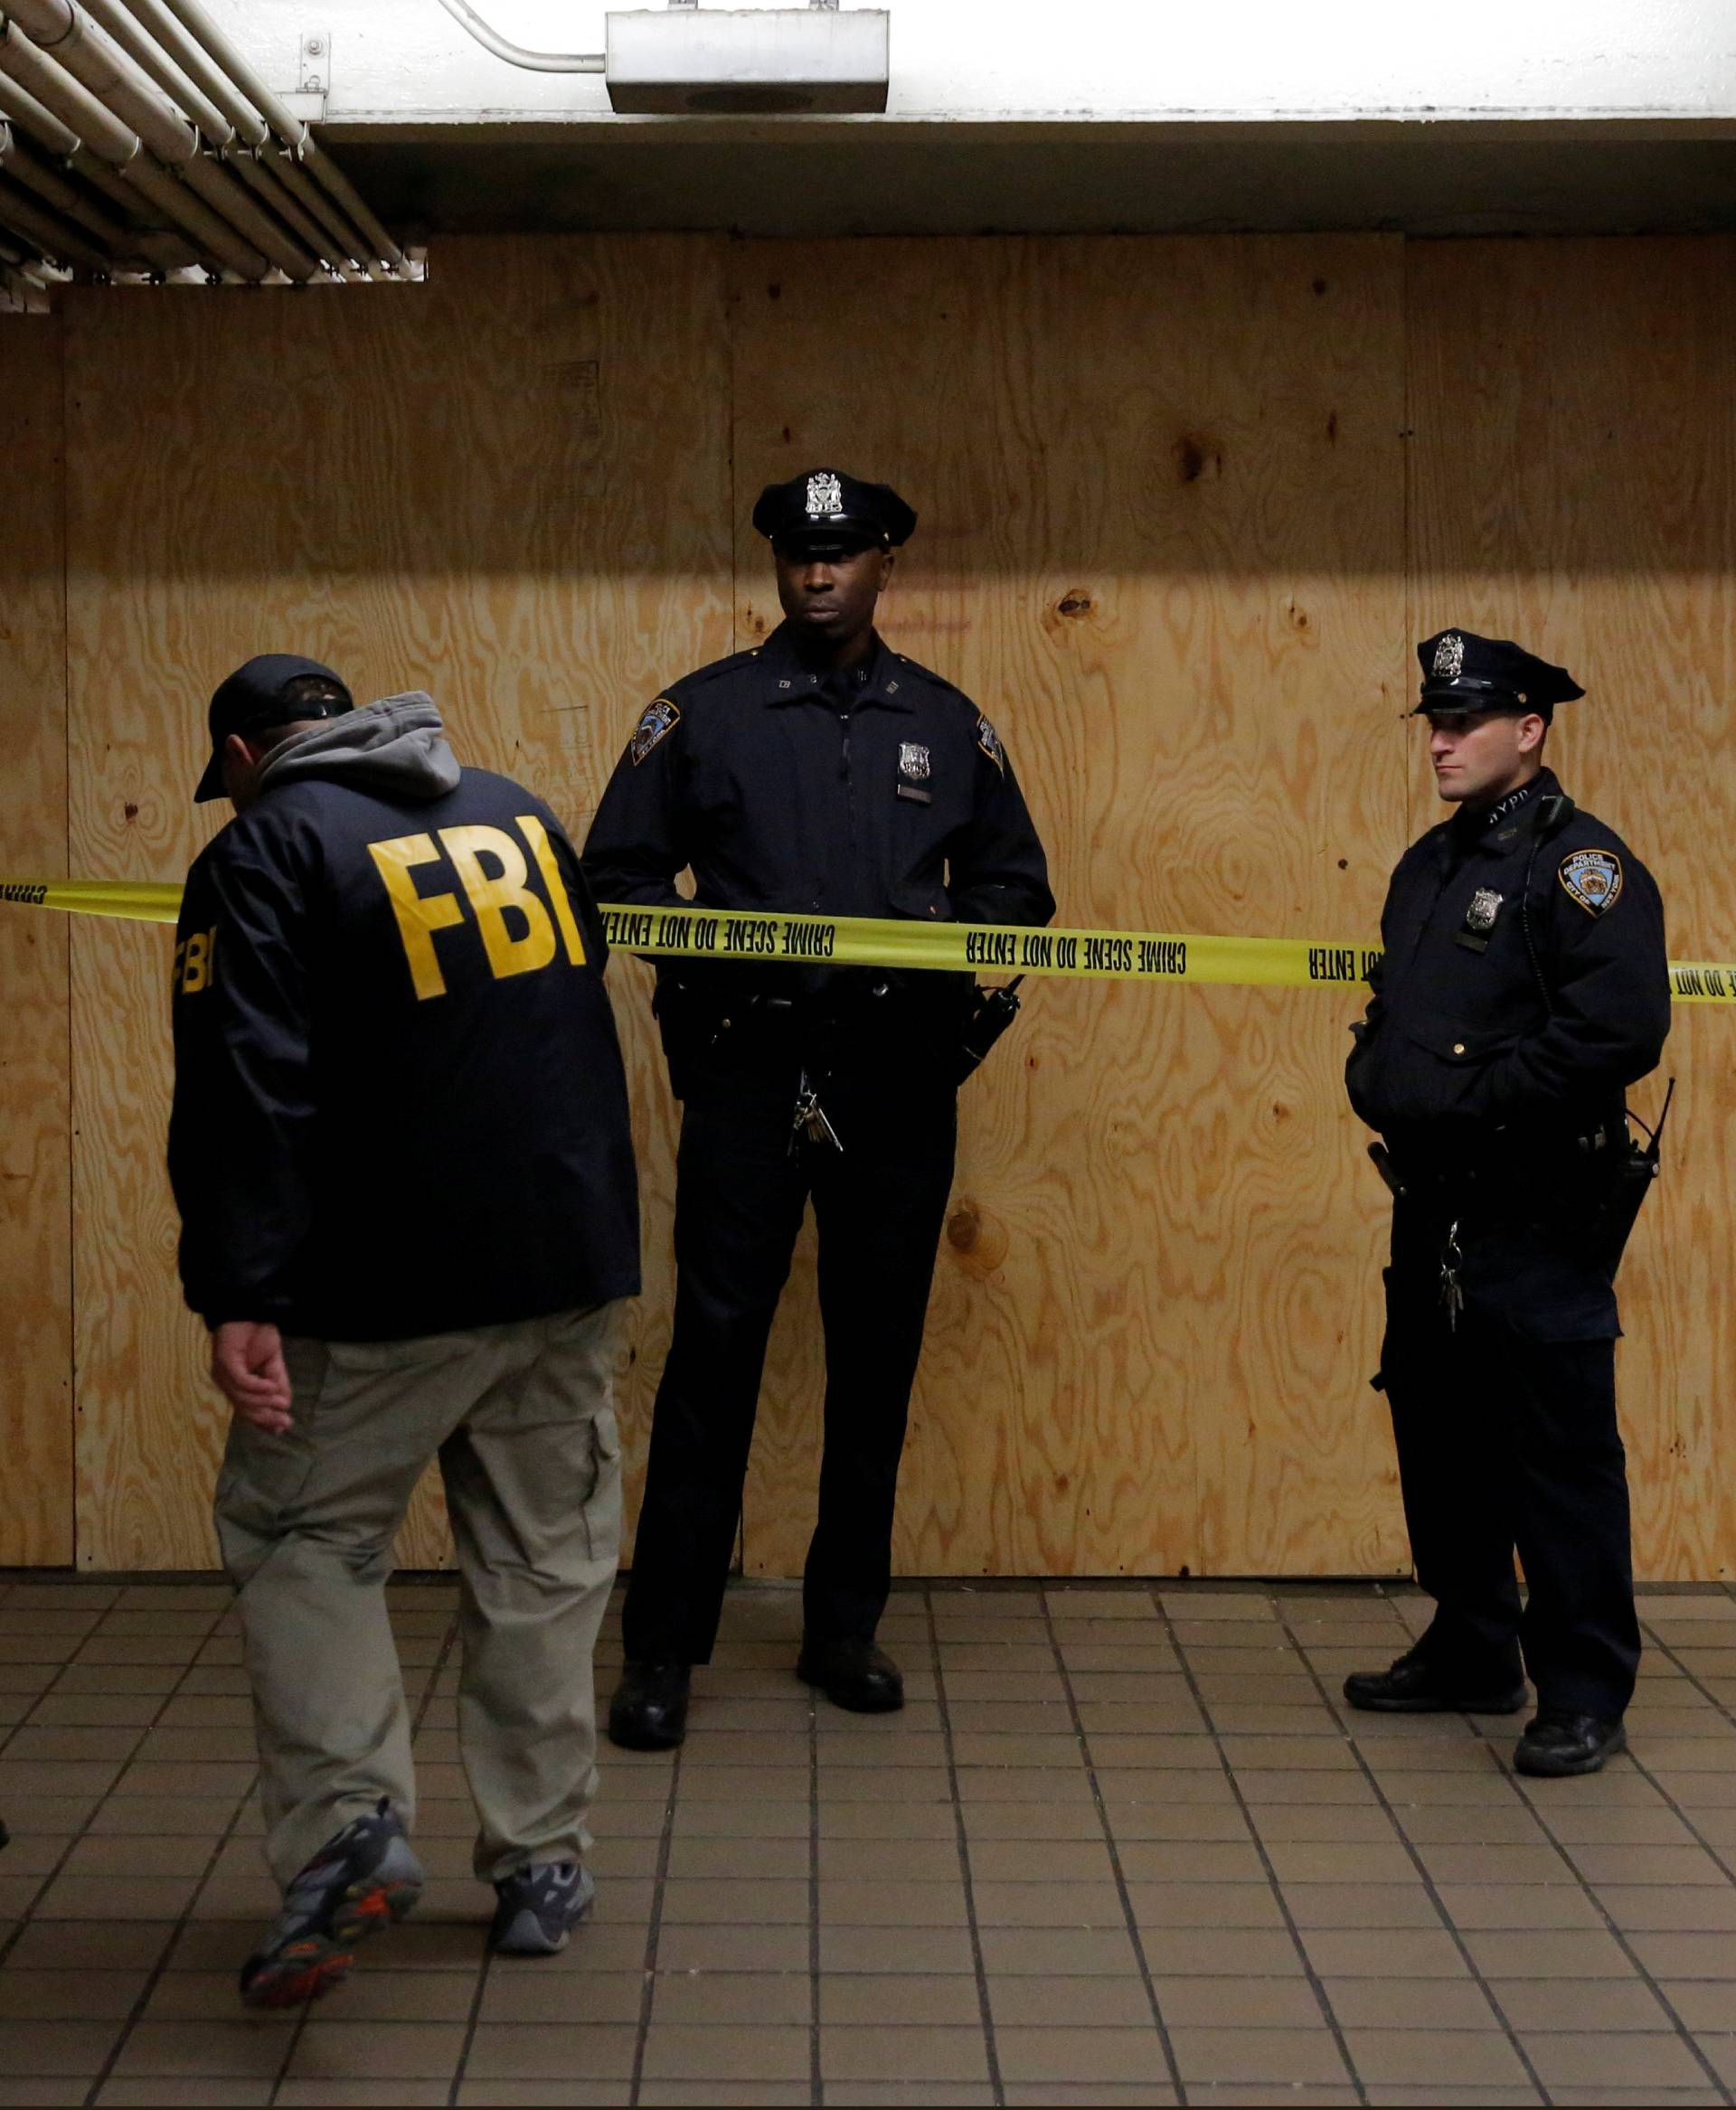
(853,1674)
(1414,1685)
(649,1710)
(1556,1744)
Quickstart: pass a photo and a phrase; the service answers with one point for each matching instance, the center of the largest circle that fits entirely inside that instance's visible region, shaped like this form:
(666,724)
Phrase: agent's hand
(248,1368)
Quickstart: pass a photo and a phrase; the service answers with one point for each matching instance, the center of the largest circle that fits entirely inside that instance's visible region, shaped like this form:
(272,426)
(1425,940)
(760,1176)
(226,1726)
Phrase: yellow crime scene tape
(863,941)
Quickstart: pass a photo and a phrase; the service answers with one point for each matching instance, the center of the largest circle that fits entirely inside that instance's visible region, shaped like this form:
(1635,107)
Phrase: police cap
(1463,673)
(264,691)
(826,510)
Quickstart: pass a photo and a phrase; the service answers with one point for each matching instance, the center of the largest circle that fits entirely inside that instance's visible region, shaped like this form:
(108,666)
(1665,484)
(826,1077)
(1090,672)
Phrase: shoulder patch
(1593,878)
(989,740)
(660,720)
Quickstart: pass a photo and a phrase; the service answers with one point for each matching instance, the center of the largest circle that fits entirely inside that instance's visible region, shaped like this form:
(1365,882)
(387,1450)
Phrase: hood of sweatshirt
(396,749)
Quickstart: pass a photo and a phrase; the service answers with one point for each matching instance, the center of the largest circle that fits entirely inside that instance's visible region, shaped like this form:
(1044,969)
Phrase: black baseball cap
(826,511)
(1463,673)
(253,700)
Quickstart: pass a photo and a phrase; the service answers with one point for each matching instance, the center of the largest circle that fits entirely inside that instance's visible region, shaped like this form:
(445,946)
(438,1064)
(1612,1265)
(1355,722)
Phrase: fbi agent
(821,772)
(400,1150)
(1523,987)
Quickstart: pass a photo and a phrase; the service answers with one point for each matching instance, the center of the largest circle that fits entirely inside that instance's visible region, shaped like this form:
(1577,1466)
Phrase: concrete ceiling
(817,176)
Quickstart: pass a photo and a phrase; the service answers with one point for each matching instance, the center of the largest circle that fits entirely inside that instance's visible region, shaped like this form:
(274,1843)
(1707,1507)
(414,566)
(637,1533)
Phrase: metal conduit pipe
(105,136)
(215,118)
(49,184)
(289,129)
(68,34)
(49,232)
(286,164)
(338,239)
(224,115)
(167,250)
(515,54)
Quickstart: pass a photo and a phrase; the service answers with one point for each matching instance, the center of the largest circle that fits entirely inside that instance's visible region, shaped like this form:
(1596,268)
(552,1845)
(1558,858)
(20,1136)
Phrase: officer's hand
(248,1366)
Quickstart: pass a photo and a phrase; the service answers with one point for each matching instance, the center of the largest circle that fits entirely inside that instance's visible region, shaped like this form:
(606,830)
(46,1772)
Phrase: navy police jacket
(879,791)
(1523,986)
(399,1101)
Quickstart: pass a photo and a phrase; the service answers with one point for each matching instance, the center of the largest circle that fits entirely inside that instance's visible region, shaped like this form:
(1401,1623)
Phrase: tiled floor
(1122,1847)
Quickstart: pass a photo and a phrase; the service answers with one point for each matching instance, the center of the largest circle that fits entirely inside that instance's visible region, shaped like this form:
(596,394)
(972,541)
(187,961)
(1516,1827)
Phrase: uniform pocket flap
(1454,1041)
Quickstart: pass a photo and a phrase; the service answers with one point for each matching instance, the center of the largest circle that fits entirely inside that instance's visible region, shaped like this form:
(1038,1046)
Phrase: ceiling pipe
(163,249)
(105,136)
(231,123)
(302,145)
(68,35)
(515,54)
(49,185)
(49,232)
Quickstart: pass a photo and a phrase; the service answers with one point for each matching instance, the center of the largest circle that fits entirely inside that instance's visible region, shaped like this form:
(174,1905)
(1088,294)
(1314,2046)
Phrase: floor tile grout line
(153,1976)
(1328,2014)
(1112,1845)
(990,2050)
(653,1929)
(816,2081)
(10,1942)
(1430,1887)
(1616,1934)
(1668,1650)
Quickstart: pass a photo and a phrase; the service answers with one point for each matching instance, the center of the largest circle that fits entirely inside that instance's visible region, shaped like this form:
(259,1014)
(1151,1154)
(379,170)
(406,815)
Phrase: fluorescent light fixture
(749,60)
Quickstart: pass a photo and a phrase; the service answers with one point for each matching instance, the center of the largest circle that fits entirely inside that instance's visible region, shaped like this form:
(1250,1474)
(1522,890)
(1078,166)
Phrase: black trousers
(741,1194)
(1508,1441)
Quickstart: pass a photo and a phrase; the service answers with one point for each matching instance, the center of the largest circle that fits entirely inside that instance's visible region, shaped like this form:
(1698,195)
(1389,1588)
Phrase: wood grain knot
(129,812)
(1197,458)
(1075,604)
(979,1239)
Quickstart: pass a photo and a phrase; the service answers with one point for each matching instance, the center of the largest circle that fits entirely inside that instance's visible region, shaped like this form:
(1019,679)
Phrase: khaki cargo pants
(522,1419)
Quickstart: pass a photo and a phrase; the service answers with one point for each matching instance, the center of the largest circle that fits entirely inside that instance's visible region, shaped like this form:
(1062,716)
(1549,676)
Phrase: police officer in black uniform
(821,772)
(1523,987)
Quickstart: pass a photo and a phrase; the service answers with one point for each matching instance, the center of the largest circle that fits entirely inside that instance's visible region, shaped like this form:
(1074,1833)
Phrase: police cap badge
(659,719)
(1463,673)
(826,508)
(1593,878)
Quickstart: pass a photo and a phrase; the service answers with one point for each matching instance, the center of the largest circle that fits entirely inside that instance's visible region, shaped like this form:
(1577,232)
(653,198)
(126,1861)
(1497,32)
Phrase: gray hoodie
(395,748)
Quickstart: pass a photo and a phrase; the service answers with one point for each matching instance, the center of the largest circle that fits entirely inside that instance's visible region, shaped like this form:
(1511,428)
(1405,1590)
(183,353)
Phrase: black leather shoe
(1557,1744)
(1414,1685)
(853,1674)
(649,1710)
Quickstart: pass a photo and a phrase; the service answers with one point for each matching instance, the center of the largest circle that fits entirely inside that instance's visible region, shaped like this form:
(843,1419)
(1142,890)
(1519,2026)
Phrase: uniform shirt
(1503,1005)
(878,791)
(399,1100)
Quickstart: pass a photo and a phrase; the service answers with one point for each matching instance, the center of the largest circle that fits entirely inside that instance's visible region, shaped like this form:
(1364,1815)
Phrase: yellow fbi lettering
(493,897)
(196,961)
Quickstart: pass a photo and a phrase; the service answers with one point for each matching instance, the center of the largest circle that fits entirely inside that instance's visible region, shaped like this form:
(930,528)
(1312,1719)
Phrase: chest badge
(1473,933)
(1593,878)
(914,761)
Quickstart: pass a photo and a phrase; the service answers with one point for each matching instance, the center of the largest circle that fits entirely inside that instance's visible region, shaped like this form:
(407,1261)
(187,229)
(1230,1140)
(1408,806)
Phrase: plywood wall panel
(1574,486)
(1161,487)
(35,1176)
(510,488)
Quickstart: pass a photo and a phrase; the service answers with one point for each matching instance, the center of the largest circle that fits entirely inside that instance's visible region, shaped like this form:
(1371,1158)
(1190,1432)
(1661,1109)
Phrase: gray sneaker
(364,1879)
(539,1907)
